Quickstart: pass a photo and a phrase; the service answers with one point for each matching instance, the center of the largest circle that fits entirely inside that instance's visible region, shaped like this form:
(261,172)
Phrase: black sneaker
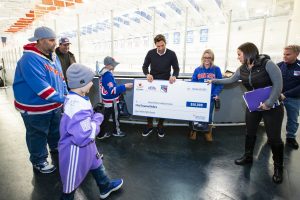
(160,132)
(147,131)
(119,134)
(292,142)
(44,168)
(101,137)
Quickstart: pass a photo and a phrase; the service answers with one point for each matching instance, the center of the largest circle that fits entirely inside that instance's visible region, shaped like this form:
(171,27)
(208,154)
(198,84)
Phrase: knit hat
(79,75)
(41,33)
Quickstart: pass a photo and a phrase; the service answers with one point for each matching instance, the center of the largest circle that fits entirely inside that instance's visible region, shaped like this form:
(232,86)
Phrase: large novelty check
(181,100)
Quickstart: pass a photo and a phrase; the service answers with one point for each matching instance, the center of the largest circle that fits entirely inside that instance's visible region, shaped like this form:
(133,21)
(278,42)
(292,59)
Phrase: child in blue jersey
(110,93)
(206,71)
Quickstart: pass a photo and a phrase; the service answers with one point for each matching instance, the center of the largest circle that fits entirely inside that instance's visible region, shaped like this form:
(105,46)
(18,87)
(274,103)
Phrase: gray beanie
(79,75)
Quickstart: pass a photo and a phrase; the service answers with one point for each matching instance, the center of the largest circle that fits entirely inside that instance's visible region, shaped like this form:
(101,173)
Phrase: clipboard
(255,97)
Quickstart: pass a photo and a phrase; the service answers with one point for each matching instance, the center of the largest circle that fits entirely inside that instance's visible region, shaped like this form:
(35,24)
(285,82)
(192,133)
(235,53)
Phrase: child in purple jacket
(79,126)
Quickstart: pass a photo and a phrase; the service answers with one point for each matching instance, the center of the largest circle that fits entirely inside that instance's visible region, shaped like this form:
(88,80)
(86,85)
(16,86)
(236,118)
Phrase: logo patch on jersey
(110,84)
(85,125)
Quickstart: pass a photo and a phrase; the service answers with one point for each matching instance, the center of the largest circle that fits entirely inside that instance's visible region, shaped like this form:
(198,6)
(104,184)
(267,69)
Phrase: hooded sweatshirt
(201,74)
(39,85)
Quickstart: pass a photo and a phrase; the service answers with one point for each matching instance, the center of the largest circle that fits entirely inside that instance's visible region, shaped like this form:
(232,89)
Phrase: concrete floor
(172,168)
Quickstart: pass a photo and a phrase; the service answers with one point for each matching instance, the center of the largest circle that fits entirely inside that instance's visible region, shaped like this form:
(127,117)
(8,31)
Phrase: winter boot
(208,135)
(193,135)
(277,150)
(247,158)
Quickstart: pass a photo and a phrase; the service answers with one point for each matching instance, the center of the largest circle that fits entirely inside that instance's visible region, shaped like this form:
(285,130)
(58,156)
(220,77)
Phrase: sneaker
(105,135)
(292,142)
(147,131)
(160,132)
(119,134)
(113,186)
(45,167)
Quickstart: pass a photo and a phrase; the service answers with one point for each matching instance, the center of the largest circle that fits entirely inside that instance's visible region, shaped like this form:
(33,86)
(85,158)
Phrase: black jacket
(291,79)
(257,76)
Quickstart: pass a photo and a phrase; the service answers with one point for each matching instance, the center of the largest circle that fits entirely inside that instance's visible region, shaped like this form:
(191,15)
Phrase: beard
(51,49)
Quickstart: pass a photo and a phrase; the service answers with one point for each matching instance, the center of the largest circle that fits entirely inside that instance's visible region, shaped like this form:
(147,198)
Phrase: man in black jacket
(160,60)
(65,56)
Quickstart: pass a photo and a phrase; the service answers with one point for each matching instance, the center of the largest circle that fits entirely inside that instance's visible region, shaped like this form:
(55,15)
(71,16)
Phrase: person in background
(290,69)
(39,90)
(258,71)
(110,93)
(206,71)
(160,60)
(65,56)
(79,126)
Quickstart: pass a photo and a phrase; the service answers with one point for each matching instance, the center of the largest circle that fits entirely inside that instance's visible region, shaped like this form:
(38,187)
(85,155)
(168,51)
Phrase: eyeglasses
(207,57)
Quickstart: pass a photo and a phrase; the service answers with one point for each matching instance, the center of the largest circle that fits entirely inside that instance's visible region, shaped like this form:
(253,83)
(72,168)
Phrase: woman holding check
(258,71)
(206,71)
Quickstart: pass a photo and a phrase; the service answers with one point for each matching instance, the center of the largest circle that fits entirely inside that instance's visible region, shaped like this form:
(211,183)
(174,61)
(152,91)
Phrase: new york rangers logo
(110,84)
(164,88)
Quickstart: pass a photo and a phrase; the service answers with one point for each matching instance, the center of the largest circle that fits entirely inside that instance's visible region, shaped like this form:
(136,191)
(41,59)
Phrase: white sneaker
(45,167)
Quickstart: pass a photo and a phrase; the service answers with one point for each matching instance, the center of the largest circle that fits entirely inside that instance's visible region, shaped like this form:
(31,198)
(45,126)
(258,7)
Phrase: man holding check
(160,61)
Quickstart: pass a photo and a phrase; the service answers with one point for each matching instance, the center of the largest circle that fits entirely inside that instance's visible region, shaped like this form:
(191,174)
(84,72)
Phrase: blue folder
(255,97)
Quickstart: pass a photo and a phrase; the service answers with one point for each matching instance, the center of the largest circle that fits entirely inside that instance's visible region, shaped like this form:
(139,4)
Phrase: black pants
(113,112)
(159,124)
(272,120)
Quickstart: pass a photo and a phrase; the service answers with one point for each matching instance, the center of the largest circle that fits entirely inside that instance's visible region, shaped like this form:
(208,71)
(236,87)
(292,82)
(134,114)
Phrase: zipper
(249,77)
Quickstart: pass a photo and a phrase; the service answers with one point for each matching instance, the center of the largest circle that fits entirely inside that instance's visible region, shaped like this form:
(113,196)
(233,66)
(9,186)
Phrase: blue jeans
(292,106)
(40,130)
(100,177)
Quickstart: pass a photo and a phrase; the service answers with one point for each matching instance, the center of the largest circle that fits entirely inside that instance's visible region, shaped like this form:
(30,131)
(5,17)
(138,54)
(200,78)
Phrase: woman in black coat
(258,71)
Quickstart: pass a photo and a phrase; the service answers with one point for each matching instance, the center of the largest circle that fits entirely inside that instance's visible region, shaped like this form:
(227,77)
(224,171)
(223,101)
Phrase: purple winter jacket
(77,149)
